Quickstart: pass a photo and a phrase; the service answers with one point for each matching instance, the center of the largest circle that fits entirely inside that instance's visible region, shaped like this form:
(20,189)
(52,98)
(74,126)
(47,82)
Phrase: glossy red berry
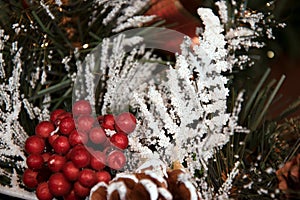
(70,171)
(100,119)
(34,145)
(85,123)
(30,178)
(120,140)
(44,129)
(55,114)
(87,178)
(67,125)
(97,135)
(80,157)
(35,161)
(82,107)
(108,122)
(43,192)
(80,190)
(73,196)
(61,145)
(59,185)
(76,138)
(69,154)
(103,176)
(125,122)
(98,160)
(116,160)
(52,138)
(62,116)
(56,162)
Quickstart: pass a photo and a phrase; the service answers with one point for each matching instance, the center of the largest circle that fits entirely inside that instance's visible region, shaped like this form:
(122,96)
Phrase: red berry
(100,119)
(34,145)
(80,157)
(97,135)
(116,160)
(44,128)
(76,137)
(87,178)
(85,123)
(43,192)
(98,160)
(56,162)
(108,122)
(55,114)
(80,190)
(120,140)
(82,107)
(30,178)
(106,144)
(72,196)
(59,185)
(125,122)
(46,156)
(103,176)
(79,146)
(35,161)
(70,171)
(61,117)
(67,125)
(61,145)
(52,138)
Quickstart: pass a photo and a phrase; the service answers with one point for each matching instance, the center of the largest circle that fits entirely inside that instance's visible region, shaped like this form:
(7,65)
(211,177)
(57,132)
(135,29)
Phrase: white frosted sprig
(3,39)
(222,11)
(46,7)
(112,14)
(244,28)
(124,13)
(224,190)
(133,22)
(89,76)
(58,2)
(12,134)
(124,71)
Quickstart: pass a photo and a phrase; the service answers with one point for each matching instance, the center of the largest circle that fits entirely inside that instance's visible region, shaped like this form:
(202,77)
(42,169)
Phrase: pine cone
(289,177)
(288,133)
(152,181)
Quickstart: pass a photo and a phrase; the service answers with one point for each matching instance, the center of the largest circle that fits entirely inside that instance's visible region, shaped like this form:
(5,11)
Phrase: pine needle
(262,114)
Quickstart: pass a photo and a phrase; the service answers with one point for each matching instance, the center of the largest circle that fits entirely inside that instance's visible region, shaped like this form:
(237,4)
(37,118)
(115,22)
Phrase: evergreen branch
(291,109)
(262,114)
(253,95)
(44,28)
(52,89)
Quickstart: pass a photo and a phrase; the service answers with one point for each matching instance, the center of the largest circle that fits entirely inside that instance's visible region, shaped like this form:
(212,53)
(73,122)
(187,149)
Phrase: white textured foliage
(224,191)
(185,117)
(124,13)
(12,133)
(183,108)
(248,27)
(111,68)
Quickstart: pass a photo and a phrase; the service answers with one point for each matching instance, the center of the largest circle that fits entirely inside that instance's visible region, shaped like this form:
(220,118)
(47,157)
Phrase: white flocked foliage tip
(124,13)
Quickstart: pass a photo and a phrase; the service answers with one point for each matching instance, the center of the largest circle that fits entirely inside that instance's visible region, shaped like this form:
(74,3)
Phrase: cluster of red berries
(72,152)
